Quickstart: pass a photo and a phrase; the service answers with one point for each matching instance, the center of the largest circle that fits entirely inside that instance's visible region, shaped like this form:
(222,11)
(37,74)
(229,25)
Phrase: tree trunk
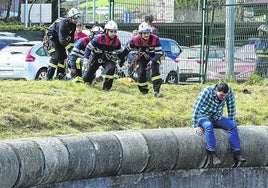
(8,10)
(19,11)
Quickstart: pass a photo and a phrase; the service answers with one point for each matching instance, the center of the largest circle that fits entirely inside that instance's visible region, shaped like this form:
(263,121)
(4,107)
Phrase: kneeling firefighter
(78,51)
(101,51)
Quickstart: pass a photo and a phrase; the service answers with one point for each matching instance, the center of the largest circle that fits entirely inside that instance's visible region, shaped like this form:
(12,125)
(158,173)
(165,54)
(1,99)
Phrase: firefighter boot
(156,85)
(50,72)
(61,73)
(214,158)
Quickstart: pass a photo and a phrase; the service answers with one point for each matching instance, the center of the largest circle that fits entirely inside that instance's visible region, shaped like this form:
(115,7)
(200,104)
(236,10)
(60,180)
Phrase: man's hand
(85,61)
(121,60)
(199,131)
(73,72)
(149,65)
(98,51)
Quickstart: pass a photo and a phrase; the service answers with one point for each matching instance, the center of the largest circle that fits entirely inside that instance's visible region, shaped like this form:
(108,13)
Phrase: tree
(9,3)
(179,3)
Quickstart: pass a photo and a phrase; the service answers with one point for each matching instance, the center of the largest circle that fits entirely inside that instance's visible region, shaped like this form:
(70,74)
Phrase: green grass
(31,108)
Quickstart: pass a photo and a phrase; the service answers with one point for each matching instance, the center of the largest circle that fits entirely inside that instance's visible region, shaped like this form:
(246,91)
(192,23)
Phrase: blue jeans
(224,123)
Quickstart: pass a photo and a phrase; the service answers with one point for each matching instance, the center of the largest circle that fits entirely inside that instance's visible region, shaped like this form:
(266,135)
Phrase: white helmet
(144,27)
(96,29)
(263,28)
(112,25)
(74,13)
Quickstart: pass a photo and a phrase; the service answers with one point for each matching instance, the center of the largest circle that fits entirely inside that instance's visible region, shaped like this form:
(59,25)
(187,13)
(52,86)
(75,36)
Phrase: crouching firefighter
(101,51)
(77,54)
(60,36)
(149,52)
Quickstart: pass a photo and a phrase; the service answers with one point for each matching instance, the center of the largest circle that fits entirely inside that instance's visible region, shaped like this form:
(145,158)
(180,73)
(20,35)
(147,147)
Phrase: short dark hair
(149,18)
(222,86)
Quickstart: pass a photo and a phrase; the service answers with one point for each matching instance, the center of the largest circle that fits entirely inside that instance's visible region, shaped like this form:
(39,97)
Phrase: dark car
(6,40)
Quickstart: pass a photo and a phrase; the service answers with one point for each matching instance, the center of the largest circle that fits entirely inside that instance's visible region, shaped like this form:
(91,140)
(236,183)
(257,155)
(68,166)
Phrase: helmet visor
(76,16)
(145,31)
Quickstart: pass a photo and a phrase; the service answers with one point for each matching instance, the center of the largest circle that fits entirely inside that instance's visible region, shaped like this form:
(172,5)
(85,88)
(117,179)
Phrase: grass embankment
(31,108)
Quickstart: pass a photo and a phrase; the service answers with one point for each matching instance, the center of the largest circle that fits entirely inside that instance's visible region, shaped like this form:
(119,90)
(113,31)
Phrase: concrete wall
(47,161)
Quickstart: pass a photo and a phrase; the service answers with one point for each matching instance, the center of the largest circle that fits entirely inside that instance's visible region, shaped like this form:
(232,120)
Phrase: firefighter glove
(85,61)
(121,60)
(98,51)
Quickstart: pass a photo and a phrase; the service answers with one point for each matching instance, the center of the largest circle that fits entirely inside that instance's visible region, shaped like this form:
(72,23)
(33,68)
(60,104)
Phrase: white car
(169,71)
(246,53)
(189,61)
(24,60)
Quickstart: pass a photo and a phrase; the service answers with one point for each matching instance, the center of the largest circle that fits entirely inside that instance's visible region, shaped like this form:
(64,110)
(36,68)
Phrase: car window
(42,52)
(170,46)
(219,53)
(194,53)
(190,54)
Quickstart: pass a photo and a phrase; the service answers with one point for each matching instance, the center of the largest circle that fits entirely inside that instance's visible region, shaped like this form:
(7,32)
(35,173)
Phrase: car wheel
(41,74)
(172,78)
(182,78)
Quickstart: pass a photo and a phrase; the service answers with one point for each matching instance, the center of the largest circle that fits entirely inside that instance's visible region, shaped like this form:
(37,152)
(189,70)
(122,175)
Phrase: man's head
(74,14)
(221,90)
(96,30)
(79,27)
(144,30)
(149,19)
(111,28)
(135,32)
(262,30)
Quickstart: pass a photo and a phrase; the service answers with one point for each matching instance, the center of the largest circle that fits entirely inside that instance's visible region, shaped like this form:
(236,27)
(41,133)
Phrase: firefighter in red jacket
(61,38)
(148,55)
(102,50)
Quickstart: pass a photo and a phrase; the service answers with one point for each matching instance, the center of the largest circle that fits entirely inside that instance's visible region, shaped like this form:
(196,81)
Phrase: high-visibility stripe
(51,50)
(156,78)
(78,79)
(60,65)
(69,46)
(142,84)
(116,76)
(53,65)
(77,63)
(108,76)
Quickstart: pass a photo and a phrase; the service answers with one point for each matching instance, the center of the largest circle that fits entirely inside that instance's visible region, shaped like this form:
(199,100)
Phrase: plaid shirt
(208,105)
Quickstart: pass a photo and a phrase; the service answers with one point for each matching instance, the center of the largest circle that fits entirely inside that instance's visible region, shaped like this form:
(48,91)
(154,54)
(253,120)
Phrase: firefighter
(148,55)
(77,54)
(101,51)
(261,49)
(61,39)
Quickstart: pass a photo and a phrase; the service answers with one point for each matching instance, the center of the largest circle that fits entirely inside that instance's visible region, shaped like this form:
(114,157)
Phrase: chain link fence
(184,24)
